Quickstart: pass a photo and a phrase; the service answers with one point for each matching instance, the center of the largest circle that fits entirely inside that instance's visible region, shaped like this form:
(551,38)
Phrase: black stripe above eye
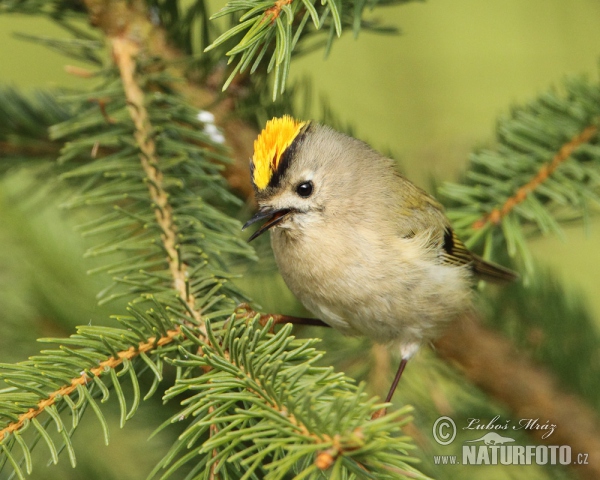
(286,158)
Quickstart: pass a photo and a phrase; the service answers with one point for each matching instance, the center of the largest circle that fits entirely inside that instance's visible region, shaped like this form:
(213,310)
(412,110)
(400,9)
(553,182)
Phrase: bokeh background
(429,96)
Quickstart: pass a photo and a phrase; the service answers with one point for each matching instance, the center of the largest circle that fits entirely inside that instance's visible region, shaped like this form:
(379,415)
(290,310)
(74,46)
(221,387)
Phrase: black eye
(305,189)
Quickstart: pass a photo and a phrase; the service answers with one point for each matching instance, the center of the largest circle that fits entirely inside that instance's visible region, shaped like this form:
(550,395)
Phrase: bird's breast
(361,281)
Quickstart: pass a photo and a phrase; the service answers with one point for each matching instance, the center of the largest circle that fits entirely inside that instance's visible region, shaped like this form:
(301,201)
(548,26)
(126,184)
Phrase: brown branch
(491,362)
(497,214)
(83,379)
(34,148)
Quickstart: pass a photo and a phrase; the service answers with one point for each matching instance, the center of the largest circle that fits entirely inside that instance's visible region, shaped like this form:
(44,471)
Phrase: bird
(363,248)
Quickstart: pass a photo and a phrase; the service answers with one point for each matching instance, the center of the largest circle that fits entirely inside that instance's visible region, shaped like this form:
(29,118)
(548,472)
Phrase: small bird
(363,249)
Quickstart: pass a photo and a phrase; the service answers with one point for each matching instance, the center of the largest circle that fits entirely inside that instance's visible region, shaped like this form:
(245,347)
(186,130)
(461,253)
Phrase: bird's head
(305,173)
(287,186)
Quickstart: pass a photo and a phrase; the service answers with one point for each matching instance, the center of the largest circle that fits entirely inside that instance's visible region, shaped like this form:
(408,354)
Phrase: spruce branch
(135,150)
(543,171)
(286,24)
(74,376)
(275,412)
(125,50)
(81,380)
(496,215)
(178,242)
(199,90)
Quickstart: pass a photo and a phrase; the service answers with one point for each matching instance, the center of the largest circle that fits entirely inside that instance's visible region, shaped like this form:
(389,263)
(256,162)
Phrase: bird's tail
(491,272)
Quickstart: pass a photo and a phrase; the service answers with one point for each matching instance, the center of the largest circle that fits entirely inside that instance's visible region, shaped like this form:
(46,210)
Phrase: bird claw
(379,413)
(245,311)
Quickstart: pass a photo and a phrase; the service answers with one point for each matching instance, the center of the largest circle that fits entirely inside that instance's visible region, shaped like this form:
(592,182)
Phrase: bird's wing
(454,252)
(424,212)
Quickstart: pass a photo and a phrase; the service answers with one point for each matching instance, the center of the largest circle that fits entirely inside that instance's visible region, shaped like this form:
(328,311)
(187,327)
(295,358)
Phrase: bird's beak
(273,216)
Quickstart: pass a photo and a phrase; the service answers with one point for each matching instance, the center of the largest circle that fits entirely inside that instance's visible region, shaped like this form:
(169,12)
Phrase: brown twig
(274,12)
(125,50)
(102,105)
(497,214)
(78,71)
(32,148)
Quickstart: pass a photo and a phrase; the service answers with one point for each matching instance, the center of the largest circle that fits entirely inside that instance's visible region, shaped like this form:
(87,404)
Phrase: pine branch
(46,383)
(496,215)
(199,90)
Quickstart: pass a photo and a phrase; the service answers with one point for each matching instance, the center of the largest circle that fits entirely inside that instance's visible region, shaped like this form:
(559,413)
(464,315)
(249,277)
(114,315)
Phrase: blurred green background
(430,96)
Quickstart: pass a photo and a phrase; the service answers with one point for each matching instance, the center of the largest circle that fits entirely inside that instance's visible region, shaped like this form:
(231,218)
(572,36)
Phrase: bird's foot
(379,413)
(245,311)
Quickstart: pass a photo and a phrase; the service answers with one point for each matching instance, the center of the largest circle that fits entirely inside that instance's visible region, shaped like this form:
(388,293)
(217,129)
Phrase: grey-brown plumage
(363,248)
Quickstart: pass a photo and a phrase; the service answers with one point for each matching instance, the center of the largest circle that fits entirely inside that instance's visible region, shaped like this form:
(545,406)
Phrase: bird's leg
(382,411)
(401,368)
(280,319)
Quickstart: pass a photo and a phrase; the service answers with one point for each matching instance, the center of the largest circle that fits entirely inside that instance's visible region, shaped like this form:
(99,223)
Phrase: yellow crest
(276,137)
